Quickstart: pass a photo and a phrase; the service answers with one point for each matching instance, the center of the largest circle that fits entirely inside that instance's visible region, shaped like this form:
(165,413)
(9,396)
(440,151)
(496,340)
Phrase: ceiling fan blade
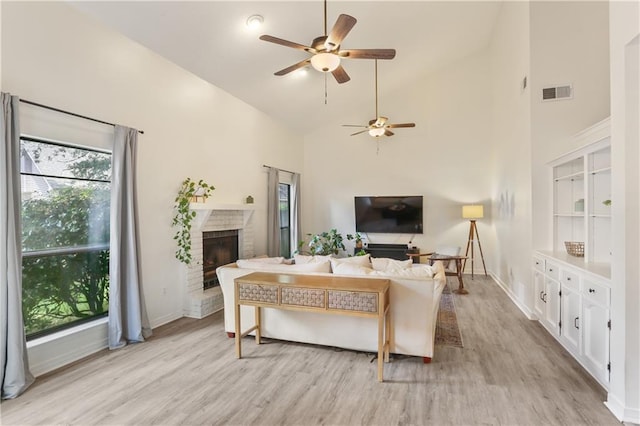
(361,131)
(293,67)
(341,75)
(339,31)
(388,132)
(368,53)
(287,43)
(354,125)
(395,126)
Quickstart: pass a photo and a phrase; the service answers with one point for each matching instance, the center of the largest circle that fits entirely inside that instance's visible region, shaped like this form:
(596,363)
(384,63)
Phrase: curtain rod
(282,170)
(71,113)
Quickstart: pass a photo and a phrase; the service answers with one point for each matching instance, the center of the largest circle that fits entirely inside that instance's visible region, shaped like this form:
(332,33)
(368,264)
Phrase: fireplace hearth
(218,248)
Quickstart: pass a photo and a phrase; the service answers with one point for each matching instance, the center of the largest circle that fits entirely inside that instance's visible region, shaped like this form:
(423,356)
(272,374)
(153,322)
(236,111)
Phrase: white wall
(624,393)
(445,158)
(569,44)
(511,136)
(54,55)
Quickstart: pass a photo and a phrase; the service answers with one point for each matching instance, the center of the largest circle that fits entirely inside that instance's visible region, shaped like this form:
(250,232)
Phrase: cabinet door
(570,314)
(539,289)
(596,339)
(552,305)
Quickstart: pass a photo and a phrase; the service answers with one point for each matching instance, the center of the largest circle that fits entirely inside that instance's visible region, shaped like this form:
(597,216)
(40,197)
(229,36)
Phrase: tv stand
(392,251)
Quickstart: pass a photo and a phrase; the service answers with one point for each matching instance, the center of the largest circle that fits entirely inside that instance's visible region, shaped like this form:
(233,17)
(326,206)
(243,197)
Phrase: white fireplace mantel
(204,210)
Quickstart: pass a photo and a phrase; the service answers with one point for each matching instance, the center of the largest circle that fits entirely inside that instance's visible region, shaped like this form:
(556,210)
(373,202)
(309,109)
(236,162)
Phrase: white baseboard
(157,322)
(530,315)
(622,413)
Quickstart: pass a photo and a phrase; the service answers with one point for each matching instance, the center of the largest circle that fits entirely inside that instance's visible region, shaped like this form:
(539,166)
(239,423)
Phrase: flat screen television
(389,214)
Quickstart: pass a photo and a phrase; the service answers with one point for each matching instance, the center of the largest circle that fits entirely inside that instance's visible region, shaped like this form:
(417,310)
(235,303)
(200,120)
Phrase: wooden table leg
(258,325)
(387,334)
(460,289)
(380,344)
(238,332)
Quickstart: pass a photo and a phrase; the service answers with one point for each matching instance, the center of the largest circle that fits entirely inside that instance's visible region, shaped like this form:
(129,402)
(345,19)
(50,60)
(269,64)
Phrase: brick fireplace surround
(214,217)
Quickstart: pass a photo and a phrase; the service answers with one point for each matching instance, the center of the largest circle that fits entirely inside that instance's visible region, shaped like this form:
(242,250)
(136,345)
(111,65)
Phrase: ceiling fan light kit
(325,62)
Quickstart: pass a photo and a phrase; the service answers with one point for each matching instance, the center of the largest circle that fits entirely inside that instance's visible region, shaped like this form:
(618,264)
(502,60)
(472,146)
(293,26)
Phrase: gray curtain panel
(128,321)
(296,208)
(273,213)
(15,373)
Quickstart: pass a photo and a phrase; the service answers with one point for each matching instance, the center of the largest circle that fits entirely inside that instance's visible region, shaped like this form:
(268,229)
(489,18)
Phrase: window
(284,196)
(65,234)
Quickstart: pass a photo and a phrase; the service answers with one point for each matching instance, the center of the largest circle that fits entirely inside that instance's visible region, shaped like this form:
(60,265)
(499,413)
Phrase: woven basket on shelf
(575,248)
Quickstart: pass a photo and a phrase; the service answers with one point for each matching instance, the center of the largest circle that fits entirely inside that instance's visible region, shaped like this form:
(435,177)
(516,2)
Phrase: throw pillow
(356,260)
(300,259)
(385,264)
(347,268)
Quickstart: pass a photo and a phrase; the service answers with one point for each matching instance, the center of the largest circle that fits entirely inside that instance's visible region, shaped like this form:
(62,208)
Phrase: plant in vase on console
(189,191)
(358,243)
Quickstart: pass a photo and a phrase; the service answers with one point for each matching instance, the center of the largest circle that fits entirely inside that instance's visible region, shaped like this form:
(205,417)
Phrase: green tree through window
(65,234)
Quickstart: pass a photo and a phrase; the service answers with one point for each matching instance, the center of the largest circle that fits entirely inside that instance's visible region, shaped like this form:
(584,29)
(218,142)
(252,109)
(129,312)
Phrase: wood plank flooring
(510,372)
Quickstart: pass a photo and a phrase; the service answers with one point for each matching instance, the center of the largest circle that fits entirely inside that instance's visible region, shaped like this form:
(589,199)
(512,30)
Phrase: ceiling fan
(325,50)
(379,126)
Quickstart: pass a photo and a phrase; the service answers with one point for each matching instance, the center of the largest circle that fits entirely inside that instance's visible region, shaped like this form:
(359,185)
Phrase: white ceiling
(211,40)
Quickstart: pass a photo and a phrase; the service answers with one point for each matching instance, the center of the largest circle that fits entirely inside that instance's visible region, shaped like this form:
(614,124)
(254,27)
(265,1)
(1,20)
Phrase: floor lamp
(473,212)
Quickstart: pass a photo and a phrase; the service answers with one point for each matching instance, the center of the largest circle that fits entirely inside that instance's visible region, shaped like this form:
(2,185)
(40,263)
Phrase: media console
(392,251)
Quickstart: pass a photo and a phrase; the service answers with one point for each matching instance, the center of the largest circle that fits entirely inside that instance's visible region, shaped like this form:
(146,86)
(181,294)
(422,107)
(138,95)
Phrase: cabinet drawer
(570,279)
(597,293)
(538,263)
(552,270)
(259,293)
(302,297)
(353,301)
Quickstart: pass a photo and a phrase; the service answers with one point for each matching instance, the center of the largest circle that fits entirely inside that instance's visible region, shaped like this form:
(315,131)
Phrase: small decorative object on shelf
(249,199)
(607,203)
(575,248)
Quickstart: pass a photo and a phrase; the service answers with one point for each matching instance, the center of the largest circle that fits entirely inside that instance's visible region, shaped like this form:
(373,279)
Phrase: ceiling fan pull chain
(325,88)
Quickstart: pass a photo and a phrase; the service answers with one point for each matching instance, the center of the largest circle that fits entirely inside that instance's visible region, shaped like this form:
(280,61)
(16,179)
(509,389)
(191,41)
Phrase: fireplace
(218,248)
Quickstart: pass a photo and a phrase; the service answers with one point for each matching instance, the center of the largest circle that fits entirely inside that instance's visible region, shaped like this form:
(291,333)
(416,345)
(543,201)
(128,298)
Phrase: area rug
(447,330)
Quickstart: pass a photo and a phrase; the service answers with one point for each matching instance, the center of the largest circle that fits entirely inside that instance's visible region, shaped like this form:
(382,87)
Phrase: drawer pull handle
(541,297)
(568,278)
(550,269)
(575,323)
(591,290)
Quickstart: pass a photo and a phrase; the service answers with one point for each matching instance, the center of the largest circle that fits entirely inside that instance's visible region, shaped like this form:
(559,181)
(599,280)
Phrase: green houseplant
(324,243)
(184,216)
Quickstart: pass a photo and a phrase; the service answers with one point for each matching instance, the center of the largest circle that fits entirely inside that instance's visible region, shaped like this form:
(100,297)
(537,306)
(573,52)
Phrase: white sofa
(414,309)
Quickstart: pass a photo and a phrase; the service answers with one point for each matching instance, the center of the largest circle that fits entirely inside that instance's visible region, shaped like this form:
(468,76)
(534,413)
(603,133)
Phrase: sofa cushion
(350,268)
(417,271)
(355,260)
(301,259)
(386,264)
(283,267)
(265,259)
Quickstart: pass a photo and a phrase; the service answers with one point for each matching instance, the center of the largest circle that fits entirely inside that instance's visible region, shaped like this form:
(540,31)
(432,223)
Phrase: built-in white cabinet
(572,290)
(581,191)
(573,304)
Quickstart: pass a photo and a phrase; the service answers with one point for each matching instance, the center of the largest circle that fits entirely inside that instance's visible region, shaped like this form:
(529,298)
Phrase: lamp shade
(376,131)
(473,211)
(325,62)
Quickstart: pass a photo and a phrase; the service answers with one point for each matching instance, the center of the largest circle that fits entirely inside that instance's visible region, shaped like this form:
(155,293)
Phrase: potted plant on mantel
(189,191)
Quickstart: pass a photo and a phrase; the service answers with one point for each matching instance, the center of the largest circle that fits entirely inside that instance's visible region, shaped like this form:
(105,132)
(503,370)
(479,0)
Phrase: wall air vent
(556,93)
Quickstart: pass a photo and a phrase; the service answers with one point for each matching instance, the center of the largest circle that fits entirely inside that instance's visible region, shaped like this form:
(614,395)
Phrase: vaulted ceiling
(211,40)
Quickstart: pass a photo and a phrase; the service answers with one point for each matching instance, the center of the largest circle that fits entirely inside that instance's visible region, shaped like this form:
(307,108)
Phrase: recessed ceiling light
(254,21)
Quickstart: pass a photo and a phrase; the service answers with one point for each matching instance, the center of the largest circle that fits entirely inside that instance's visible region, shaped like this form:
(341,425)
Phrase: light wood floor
(510,372)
